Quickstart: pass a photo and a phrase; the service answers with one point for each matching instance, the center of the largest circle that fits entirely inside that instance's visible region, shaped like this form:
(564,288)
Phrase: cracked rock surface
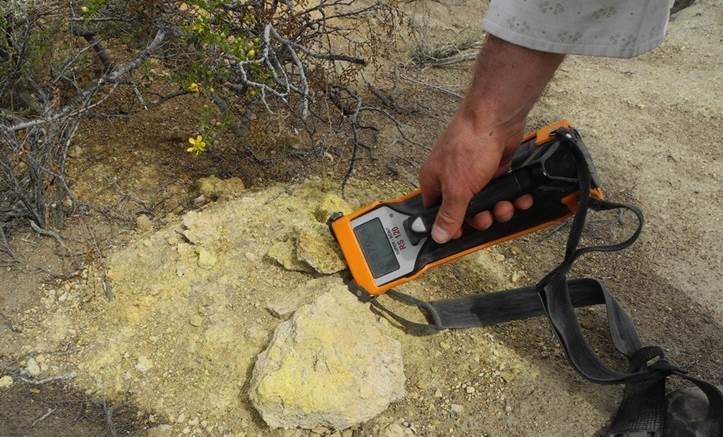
(330,365)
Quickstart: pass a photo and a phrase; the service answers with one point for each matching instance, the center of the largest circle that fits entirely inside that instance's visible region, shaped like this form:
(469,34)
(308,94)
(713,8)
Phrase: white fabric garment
(614,28)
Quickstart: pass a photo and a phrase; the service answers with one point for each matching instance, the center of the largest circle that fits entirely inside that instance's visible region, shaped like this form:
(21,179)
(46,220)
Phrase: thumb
(450,216)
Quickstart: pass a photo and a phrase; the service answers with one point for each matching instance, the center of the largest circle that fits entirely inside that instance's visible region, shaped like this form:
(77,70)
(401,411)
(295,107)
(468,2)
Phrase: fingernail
(440,235)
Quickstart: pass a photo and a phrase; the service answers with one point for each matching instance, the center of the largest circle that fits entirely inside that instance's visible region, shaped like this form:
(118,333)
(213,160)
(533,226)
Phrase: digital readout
(376,248)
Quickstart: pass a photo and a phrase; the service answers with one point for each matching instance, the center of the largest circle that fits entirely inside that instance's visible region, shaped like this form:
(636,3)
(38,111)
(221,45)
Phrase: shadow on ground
(54,410)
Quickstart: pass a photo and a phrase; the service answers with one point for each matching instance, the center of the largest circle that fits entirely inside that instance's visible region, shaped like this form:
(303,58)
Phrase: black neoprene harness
(643,408)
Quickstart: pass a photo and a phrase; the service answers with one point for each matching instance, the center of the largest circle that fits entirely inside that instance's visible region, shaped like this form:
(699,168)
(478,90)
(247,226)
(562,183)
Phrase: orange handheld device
(388,243)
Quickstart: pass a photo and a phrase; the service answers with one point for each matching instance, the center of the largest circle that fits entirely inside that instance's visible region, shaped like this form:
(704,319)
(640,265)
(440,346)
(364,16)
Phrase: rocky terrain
(227,314)
(217,331)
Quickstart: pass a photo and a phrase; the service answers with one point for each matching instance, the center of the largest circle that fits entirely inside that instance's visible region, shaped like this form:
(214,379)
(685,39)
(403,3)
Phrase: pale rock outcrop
(6,381)
(283,307)
(214,188)
(316,247)
(331,365)
(330,204)
(284,253)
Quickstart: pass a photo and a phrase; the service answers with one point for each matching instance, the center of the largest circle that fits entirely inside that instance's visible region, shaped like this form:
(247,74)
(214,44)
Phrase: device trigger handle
(506,187)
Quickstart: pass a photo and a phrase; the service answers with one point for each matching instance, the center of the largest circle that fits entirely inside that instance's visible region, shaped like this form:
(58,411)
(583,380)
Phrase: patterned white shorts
(614,28)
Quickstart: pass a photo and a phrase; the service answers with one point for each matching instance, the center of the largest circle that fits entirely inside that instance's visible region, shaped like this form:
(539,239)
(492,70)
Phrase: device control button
(418,226)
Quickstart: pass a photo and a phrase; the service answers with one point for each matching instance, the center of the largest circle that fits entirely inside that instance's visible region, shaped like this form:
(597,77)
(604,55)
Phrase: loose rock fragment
(6,381)
(303,294)
(315,374)
(396,430)
(284,253)
(75,151)
(456,409)
(199,201)
(144,364)
(160,431)
(316,246)
(143,223)
(206,259)
(32,367)
(196,320)
(330,204)
(214,188)
(283,309)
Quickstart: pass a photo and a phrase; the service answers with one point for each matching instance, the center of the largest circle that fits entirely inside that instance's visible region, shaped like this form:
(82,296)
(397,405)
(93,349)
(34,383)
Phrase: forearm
(508,80)
(487,128)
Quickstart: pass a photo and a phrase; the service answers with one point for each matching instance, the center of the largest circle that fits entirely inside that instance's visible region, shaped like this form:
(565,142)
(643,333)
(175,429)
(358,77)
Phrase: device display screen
(376,247)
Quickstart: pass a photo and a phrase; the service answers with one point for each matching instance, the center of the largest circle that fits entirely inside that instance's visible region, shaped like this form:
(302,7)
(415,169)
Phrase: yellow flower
(84,9)
(194,87)
(252,93)
(251,54)
(198,145)
(198,27)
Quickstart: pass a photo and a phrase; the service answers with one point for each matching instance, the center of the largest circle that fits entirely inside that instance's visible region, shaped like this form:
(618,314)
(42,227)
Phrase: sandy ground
(652,124)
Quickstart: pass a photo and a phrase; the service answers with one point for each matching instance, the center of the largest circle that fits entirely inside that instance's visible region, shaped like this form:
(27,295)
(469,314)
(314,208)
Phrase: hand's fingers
(481,221)
(430,186)
(503,211)
(450,216)
(524,202)
(458,234)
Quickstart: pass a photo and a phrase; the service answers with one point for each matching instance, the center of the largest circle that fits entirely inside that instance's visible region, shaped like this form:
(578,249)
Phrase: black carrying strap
(642,411)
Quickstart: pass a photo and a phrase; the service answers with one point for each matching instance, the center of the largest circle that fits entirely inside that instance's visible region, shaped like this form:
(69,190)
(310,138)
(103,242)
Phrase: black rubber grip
(507,187)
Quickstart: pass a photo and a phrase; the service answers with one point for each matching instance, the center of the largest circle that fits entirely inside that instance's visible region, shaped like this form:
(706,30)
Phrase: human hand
(484,134)
(465,158)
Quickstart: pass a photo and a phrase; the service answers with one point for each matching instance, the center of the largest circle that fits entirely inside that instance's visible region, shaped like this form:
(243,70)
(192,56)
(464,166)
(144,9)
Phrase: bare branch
(50,379)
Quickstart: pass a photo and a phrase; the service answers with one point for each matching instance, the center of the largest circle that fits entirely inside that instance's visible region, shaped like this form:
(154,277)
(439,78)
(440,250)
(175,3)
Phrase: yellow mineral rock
(284,253)
(314,374)
(330,204)
(316,246)
(214,188)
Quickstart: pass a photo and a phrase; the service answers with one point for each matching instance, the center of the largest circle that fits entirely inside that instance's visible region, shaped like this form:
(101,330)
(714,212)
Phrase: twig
(95,19)
(107,287)
(164,98)
(4,245)
(9,323)
(468,55)
(56,275)
(110,78)
(47,380)
(434,87)
(139,95)
(94,42)
(109,419)
(43,417)
(447,54)
(54,235)
(33,151)
(398,125)
(92,238)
